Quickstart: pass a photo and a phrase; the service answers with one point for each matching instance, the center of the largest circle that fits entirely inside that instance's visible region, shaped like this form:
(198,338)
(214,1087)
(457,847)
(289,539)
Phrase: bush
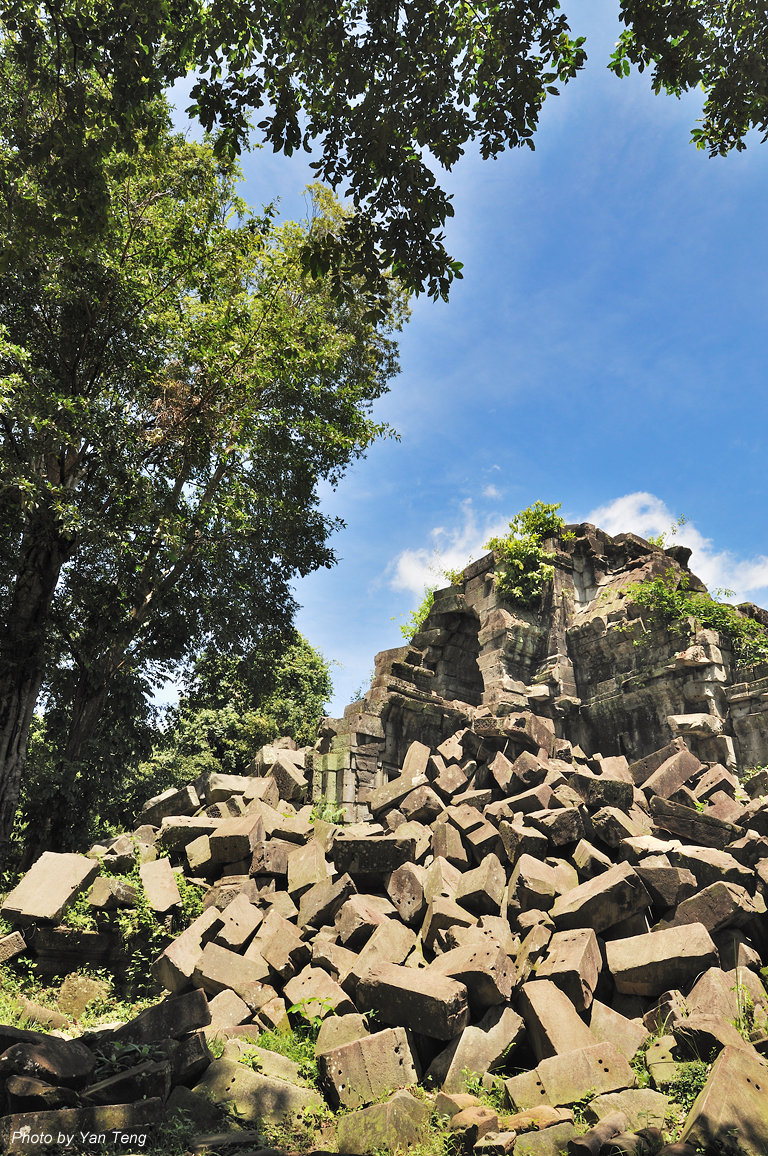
(524,567)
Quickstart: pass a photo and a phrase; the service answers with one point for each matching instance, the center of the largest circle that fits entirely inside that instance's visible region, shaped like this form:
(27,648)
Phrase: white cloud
(645,514)
(491,492)
(451,549)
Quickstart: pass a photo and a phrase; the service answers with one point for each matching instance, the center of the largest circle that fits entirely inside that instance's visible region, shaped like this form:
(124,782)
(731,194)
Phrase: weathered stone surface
(29,1132)
(554,1026)
(428,1003)
(715,907)
(609,1026)
(172,1018)
(595,1069)
(678,769)
(11,945)
(218,969)
(256,1099)
(550,1141)
(650,964)
(601,902)
(396,1124)
(731,1105)
(487,973)
(160,886)
(175,966)
(174,801)
(153,1077)
(482,1047)
(573,962)
(52,883)
(358,1073)
(321,903)
(65,1062)
(642,1107)
(317,994)
(335,1031)
(405,888)
(692,826)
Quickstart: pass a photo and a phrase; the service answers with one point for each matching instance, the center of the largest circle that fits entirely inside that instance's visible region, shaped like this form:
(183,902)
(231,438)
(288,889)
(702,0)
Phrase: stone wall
(586,659)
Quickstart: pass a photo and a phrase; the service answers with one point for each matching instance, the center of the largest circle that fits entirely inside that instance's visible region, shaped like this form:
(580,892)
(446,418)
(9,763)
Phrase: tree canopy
(171,395)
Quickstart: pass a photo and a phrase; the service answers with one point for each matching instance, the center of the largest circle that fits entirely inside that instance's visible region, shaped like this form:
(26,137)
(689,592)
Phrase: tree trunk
(22,655)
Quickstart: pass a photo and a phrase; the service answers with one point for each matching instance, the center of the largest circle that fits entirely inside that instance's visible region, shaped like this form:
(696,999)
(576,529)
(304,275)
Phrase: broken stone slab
(23,1133)
(518,839)
(375,855)
(228,1010)
(26,1094)
(398,1123)
(573,962)
(335,1031)
(315,995)
(666,885)
(77,991)
(289,776)
(11,946)
(175,966)
(715,907)
(441,879)
(136,1083)
(692,826)
(482,1047)
(562,826)
(601,902)
(391,942)
(600,791)
(362,1071)
(532,884)
(430,1004)
(611,826)
(160,887)
(322,902)
(642,769)
(710,865)
(254,1098)
(643,1107)
(109,894)
(174,1017)
(405,887)
(672,774)
(481,890)
(647,965)
(239,921)
(218,969)
(177,832)
(357,920)
(732,1104)
(554,1026)
(47,889)
(551,1141)
(599,1068)
(487,973)
(67,1063)
(610,1026)
(174,801)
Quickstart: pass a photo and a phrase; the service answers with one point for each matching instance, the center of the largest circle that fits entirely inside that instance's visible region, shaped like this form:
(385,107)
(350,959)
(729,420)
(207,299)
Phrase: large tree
(172,391)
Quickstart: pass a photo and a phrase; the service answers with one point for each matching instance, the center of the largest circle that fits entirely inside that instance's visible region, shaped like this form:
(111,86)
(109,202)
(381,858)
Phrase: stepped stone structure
(586,660)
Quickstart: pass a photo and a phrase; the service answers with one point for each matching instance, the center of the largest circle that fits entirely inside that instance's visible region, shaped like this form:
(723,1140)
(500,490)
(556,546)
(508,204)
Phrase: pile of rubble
(512,912)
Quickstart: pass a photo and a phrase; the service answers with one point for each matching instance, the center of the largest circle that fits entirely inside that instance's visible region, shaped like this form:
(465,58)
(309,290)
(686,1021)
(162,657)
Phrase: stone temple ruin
(573,663)
(550,889)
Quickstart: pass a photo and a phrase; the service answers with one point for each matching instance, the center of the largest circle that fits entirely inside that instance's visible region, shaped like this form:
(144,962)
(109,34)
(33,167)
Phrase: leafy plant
(660,540)
(328,811)
(524,567)
(690,1078)
(297,1045)
(494,1097)
(671,603)
(416,619)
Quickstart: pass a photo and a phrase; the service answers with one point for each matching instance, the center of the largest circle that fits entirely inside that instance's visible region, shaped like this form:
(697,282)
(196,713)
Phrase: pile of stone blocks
(512,911)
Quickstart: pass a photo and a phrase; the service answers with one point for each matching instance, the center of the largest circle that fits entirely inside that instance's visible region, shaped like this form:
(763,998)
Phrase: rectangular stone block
(160,886)
(601,902)
(361,1072)
(554,1026)
(218,969)
(731,1107)
(647,965)
(174,801)
(49,886)
(573,962)
(430,1004)
(175,966)
(596,1069)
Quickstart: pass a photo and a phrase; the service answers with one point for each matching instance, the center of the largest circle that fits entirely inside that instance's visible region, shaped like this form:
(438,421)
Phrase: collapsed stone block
(603,901)
(358,1073)
(732,1105)
(47,889)
(487,973)
(482,1047)
(649,964)
(256,1099)
(573,962)
(428,1003)
(554,1026)
(398,1123)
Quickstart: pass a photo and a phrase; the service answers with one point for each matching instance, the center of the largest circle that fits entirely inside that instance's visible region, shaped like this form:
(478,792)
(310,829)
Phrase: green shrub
(671,603)
(524,567)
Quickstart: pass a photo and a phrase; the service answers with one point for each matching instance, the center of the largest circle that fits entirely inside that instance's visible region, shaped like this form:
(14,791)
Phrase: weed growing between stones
(524,567)
(297,1045)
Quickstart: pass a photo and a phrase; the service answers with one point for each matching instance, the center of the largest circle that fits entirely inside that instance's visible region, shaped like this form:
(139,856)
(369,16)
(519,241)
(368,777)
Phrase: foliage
(690,1078)
(717,47)
(172,394)
(416,619)
(661,539)
(329,811)
(117,1056)
(494,1097)
(671,603)
(386,93)
(231,707)
(297,1045)
(524,566)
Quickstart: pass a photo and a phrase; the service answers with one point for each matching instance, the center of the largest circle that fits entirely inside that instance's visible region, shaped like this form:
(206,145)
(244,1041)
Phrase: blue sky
(605,349)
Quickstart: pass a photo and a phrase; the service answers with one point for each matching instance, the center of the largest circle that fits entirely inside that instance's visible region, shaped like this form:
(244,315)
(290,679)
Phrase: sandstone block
(174,801)
(718,906)
(603,901)
(358,1073)
(430,1004)
(317,995)
(174,1017)
(396,1124)
(482,1047)
(218,969)
(532,884)
(732,1103)
(678,769)
(335,1031)
(487,973)
(239,921)
(405,887)
(609,1026)
(23,1133)
(321,903)
(647,965)
(49,886)
(160,886)
(481,890)
(256,1099)
(550,1141)
(595,1069)
(554,1026)
(691,825)
(573,962)
(375,855)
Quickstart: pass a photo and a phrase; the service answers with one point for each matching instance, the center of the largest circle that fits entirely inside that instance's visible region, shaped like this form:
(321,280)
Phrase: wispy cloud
(645,514)
(451,548)
(491,492)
